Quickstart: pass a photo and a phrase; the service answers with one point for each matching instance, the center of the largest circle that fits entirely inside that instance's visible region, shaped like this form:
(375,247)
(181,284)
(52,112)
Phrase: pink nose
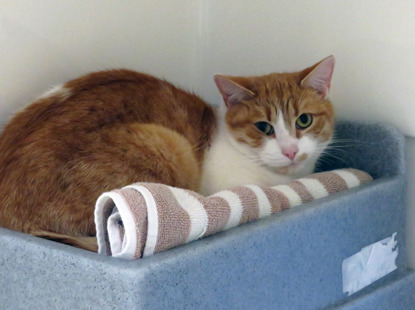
(290,151)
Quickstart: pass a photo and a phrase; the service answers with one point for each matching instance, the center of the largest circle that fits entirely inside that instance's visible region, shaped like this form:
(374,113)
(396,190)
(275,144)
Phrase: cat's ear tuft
(231,91)
(320,76)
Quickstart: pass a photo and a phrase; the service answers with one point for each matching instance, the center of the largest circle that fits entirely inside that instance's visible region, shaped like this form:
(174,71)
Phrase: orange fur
(279,92)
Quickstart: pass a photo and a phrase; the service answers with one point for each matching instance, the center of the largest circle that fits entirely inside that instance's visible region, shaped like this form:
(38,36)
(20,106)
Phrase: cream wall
(46,42)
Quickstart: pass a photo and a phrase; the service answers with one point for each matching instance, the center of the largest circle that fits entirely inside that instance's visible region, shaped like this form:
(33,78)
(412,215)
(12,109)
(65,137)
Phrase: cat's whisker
(349,142)
(342,145)
(326,155)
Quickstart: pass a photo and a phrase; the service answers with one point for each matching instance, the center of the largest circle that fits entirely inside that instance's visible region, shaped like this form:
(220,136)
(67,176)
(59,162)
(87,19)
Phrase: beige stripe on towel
(174,222)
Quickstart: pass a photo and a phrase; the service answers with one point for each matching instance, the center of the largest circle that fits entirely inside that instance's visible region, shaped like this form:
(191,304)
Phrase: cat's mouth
(297,161)
(290,168)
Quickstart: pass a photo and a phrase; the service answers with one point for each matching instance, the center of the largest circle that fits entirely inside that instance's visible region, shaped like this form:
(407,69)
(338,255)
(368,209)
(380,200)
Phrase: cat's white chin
(226,166)
(291,168)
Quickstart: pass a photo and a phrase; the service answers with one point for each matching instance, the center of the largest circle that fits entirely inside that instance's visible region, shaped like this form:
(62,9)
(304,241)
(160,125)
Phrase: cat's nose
(290,151)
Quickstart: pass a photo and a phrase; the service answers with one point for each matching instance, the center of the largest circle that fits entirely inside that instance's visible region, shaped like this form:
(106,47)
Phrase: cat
(112,128)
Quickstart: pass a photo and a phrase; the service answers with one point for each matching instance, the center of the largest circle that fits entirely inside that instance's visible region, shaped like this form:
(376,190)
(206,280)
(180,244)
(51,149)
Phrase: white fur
(59,91)
(225,167)
(229,163)
(271,152)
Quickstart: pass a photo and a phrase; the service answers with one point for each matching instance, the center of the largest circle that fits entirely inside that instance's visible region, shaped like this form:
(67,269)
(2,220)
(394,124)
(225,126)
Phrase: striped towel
(146,218)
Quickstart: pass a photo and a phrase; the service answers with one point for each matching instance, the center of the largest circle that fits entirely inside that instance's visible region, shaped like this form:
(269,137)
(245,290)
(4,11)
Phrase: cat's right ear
(232,92)
(319,76)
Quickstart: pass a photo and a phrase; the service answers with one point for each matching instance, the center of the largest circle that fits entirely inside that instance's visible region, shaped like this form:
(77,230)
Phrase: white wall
(46,42)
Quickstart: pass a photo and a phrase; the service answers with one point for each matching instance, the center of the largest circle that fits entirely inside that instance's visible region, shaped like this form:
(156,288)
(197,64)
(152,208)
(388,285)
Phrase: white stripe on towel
(99,224)
(130,238)
(314,187)
(264,205)
(291,194)
(350,179)
(114,237)
(152,219)
(197,213)
(235,205)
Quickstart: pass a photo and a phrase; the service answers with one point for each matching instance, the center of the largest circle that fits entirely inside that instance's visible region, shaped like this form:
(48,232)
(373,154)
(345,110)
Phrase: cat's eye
(265,128)
(304,121)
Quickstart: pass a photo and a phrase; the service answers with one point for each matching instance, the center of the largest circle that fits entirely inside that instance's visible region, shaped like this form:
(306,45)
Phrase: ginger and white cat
(113,128)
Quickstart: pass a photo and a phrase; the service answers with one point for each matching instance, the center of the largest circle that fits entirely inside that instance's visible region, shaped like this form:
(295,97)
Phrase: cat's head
(282,120)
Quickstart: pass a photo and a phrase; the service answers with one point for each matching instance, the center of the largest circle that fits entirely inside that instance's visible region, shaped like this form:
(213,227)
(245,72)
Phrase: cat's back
(105,98)
(95,133)
(83,107)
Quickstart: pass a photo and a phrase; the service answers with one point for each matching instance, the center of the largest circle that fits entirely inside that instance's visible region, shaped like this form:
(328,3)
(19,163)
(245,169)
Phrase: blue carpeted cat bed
(310,257)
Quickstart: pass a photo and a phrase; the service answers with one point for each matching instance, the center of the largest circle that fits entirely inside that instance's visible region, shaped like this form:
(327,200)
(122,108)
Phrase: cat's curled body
(113,128)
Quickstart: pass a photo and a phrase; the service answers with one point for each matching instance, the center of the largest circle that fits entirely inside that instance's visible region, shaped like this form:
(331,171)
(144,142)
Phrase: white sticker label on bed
(370,264)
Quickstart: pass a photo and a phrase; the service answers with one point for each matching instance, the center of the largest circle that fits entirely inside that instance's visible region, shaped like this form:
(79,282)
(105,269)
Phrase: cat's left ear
(231,90)
(320,76)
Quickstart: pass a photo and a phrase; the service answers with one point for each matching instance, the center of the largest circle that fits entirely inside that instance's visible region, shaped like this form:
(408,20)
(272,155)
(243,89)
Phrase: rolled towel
(146,218)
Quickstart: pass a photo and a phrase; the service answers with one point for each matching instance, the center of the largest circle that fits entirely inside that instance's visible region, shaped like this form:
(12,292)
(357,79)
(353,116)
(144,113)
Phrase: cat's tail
(86,243)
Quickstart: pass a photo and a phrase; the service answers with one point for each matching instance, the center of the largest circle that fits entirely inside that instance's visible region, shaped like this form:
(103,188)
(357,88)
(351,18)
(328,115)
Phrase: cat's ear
(232,91)
(319,77)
